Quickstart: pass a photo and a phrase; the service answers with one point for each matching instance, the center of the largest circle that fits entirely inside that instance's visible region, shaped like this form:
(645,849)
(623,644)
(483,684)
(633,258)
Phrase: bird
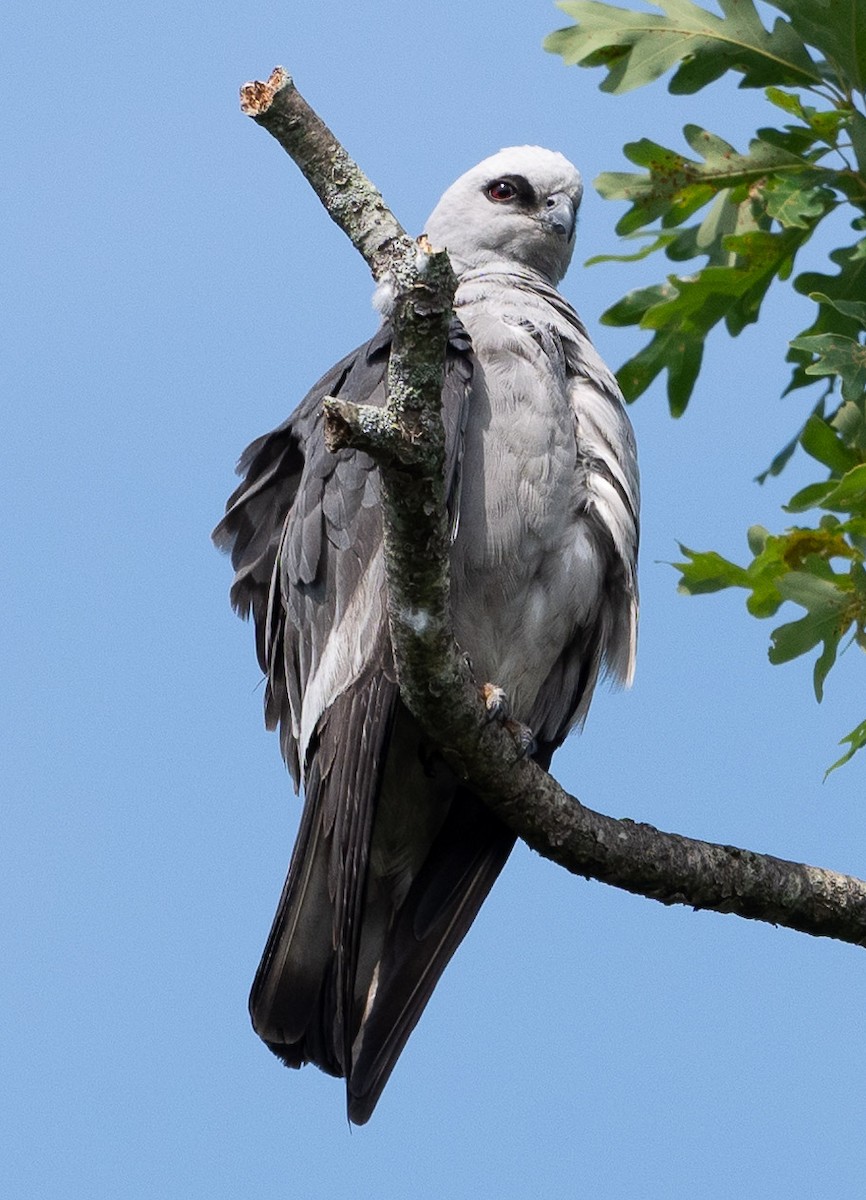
(394,854)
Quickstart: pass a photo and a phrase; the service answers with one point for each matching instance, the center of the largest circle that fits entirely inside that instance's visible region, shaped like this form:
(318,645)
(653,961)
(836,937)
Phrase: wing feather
(304,529)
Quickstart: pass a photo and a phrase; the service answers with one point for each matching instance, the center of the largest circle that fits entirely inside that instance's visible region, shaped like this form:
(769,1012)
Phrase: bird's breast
(526,569)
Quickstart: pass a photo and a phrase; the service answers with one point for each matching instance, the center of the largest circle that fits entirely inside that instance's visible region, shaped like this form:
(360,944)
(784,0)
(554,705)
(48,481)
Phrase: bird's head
(517,208)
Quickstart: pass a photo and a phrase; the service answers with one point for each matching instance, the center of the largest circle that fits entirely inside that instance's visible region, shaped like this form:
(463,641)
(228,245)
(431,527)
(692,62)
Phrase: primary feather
(394,857)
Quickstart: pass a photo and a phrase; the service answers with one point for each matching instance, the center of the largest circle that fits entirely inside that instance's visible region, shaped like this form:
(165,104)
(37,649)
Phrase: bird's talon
(523,737)
(495,701)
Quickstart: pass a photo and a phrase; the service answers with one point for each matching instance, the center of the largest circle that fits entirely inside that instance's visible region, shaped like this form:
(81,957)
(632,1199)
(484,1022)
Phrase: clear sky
(172,288)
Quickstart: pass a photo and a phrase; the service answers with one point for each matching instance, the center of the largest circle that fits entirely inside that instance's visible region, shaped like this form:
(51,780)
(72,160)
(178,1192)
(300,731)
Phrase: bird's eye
(501,189)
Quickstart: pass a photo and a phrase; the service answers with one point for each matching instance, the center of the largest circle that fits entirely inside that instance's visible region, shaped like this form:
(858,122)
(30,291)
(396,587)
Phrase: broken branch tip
(257,97)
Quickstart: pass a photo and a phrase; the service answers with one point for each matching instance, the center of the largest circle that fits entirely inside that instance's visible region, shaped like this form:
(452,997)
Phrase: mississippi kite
(394,856)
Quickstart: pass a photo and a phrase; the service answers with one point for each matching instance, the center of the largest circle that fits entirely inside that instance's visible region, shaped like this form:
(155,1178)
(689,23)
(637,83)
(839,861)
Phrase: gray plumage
(393,856)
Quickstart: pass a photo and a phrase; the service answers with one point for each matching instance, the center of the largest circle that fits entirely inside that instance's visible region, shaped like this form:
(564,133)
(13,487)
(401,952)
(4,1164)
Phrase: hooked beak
(559,215)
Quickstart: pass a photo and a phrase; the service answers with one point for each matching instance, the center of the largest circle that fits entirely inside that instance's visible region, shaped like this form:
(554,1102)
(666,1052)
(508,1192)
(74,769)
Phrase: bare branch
(349,197)
(435,680)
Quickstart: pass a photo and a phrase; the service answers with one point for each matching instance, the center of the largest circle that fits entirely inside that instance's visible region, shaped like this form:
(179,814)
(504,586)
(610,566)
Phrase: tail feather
(463,864)
(392,862)
(299,1001)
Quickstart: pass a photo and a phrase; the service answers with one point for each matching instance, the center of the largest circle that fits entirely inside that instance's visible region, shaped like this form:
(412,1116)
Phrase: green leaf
(837,28)
(791,203)
(814,548)
(630,310)
(857,740)
(849,308)
(822,442)
(857,129)
(809,496)
(837,355)
(799,637)
(708,572)
(795,139)
(825,661)
(788,102)
(725,217)
(780,559)
(794,565)
(658,242)
(814,591)
(825,621)
(672,350)
(638,47)
(761,257)
(848,285)
(683,311)
(849,494)
(757,536)
(780,461)
(676,186)
(825,123)
(749,191)
(850,420)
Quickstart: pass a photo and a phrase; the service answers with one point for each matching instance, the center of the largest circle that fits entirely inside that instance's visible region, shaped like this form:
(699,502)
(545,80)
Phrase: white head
(517,207)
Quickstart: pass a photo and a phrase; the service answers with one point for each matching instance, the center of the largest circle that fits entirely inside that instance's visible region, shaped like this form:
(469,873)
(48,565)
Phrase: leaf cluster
(759,209)
(739,219)
(821,567)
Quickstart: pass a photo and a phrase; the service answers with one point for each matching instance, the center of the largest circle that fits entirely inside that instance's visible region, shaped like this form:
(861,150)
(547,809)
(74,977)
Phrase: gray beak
(559,215)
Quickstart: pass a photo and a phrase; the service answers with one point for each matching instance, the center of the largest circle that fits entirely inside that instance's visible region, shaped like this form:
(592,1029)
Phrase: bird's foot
(495,701)
(498,709)
(523,736)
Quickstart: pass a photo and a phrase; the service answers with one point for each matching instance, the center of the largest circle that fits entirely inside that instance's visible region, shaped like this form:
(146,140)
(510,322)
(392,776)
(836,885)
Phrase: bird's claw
(495,702)
(498,709)
(523,736)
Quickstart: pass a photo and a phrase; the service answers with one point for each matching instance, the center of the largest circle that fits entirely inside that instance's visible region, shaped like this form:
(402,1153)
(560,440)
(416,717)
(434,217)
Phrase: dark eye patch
(523,192)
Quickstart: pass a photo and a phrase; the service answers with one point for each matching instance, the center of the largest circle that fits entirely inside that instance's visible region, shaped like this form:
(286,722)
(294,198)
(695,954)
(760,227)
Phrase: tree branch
(408,443)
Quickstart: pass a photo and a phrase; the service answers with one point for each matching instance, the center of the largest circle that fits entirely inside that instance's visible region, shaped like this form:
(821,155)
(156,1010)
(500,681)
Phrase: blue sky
(172,288)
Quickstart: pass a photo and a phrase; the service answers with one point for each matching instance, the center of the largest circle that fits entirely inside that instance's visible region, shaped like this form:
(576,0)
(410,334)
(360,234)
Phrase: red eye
(501,189)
